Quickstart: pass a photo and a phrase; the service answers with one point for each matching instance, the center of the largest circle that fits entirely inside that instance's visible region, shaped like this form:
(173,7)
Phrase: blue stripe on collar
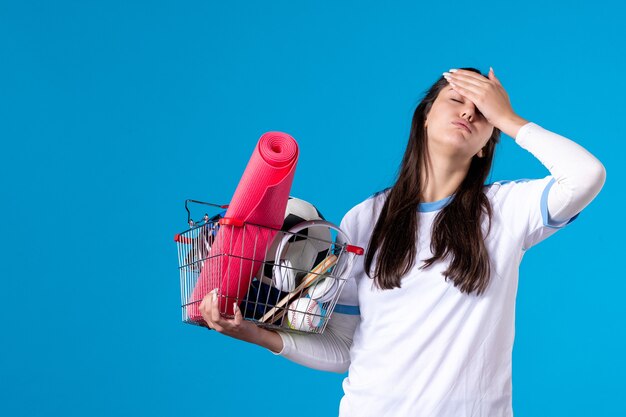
(434,205)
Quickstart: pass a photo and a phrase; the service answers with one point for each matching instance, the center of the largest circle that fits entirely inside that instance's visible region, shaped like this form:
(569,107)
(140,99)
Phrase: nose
(468,111)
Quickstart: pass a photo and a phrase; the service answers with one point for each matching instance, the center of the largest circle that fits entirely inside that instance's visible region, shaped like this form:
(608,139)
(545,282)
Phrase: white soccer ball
(301,253)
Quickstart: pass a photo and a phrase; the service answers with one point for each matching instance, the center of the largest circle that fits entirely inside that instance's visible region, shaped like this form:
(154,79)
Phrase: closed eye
(477,111)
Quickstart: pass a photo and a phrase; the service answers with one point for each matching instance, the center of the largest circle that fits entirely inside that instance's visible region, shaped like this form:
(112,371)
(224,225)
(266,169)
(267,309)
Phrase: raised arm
(578,175)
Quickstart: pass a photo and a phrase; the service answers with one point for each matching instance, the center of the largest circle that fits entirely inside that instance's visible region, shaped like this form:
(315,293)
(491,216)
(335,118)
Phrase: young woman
(425,323)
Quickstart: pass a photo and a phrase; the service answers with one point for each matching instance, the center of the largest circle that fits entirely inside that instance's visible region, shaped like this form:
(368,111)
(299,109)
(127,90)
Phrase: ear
(480,154)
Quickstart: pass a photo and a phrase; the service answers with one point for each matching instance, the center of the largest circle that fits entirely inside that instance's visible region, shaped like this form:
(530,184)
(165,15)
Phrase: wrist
(268,339)
(511,125)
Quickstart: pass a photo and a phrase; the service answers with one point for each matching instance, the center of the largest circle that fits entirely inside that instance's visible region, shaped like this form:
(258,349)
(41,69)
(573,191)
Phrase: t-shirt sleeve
(523,205)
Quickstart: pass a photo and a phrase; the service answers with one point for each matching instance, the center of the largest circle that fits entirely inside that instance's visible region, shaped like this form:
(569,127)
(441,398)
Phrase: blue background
(113,113)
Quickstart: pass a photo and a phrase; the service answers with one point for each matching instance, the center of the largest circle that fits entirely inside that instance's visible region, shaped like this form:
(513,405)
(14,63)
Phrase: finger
(469,95)
(462,88)
(205,308)
(492,76)
(207,319)
(467,79)
(478,77)
(209,325)
(238,315)
(205,303)
(215,311)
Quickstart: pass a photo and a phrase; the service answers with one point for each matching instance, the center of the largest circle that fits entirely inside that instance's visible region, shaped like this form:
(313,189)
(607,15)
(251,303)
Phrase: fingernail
(446,74)
(215,295)
(490,69)
(453,70)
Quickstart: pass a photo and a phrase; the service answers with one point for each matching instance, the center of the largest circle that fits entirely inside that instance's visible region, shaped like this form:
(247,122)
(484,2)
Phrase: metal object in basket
(287,284)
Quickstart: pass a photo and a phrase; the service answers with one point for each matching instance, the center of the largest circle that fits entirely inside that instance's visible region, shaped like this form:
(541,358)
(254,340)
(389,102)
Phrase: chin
(457,136)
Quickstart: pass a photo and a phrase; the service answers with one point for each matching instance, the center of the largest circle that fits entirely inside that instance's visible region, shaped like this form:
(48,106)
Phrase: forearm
(511,125)
(269,339)
(328,351)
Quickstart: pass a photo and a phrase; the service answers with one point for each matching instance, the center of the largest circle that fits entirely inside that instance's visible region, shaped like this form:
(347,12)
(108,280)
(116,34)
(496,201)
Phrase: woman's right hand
(237,327)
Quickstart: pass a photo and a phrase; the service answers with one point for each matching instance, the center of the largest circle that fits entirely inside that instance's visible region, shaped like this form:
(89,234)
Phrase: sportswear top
(426,349)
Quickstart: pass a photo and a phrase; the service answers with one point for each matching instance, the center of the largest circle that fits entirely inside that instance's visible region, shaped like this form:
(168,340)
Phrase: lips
(462,124)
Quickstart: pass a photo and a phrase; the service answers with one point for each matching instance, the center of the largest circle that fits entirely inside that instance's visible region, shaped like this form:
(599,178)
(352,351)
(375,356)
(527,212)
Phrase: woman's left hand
(487,94)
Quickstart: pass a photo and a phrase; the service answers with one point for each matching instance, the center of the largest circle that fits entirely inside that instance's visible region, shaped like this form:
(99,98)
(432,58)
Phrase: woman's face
(444,126)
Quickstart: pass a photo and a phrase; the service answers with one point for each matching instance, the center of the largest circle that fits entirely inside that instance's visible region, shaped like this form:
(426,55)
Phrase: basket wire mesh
(281,279)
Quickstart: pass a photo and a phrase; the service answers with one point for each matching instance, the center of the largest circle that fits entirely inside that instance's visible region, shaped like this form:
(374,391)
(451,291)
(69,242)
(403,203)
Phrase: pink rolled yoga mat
(261,199)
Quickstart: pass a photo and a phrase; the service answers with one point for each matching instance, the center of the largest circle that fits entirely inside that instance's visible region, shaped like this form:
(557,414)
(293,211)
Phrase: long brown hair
(456,229)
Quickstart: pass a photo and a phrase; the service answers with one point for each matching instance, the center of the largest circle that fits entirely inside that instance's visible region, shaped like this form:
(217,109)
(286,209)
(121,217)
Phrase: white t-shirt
(426,349)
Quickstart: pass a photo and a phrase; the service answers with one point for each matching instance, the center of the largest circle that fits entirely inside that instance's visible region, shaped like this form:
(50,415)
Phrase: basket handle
(206,216)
